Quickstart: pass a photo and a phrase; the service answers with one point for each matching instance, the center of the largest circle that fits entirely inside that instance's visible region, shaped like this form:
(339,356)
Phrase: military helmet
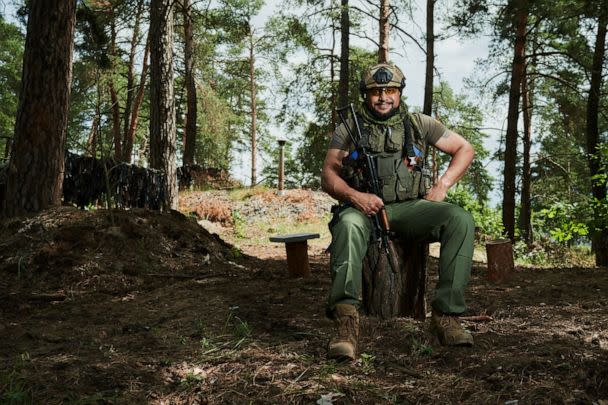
(381,75)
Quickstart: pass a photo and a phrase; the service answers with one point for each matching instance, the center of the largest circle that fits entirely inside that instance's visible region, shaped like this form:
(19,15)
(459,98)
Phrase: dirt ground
(134,307)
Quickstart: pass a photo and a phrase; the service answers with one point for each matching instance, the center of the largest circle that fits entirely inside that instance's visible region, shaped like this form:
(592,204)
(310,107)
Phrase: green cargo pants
(417,220)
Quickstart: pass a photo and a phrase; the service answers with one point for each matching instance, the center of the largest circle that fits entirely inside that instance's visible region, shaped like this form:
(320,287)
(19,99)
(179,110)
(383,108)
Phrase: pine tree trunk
(517,73)
(36,166)
(332,75)
(430,57)
(254,179)
(191,113)
(162,105)
(344,54)
(599,239)
(115,107)
(384,28)
(130,139)
(526,210)
(115,122)
(126,154)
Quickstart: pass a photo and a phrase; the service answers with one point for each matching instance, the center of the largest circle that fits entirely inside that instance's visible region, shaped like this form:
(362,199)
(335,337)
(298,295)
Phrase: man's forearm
(336,187)
(458,166)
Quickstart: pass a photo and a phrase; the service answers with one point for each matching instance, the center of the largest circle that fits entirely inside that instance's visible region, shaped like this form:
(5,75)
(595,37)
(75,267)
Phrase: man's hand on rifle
(367,203)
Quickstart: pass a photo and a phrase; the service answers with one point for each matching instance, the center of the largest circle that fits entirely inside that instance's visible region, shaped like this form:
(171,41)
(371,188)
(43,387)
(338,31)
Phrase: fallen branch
(47,297)
(181,276)
(476,318)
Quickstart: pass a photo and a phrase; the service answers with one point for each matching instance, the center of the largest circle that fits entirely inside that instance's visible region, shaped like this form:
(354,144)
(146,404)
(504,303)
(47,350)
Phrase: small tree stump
(388,294)
(500,260)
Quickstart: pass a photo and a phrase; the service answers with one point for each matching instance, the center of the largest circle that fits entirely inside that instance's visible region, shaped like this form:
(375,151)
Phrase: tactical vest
(399,152)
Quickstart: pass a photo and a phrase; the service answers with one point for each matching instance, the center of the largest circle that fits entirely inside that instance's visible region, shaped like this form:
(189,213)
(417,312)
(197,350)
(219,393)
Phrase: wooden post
(281,165)
(500,260)
(388,294)
(296,246)
(297,259)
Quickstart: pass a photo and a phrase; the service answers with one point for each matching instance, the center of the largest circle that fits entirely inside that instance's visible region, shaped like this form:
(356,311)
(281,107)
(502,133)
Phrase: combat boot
(343,345)
(449,331)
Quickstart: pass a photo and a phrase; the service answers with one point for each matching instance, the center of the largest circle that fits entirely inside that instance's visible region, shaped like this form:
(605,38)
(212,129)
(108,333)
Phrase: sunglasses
(387,90)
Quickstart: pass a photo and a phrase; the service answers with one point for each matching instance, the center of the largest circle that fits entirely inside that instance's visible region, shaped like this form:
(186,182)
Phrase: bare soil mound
(143,307)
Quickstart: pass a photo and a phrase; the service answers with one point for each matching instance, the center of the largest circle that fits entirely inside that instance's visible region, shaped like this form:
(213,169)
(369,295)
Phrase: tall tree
(344,54)
(191,98)
(162,104)
(127,140)
(384,29)
(600,236)
(525,215)
(520,20)
(430,57)
(11,55)
(35,174)
(115,104)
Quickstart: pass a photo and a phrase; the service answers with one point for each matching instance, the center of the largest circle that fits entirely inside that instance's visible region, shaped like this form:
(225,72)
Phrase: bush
(487,220)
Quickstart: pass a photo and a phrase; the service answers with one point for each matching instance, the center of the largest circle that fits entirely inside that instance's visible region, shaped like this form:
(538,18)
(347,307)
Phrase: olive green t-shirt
(429,127)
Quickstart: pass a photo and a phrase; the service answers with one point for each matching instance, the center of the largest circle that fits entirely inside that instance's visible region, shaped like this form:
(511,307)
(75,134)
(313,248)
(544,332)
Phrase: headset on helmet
(381,75)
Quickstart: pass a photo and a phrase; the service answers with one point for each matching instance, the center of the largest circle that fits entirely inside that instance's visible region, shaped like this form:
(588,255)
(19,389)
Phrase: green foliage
(465,118)
(367,362)
(215,134)
(11,54)
(559,223)
(488,220)
(240,224)
(600,206)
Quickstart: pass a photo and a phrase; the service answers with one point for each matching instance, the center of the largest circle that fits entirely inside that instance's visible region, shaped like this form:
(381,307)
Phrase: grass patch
(14,389)
(241,194)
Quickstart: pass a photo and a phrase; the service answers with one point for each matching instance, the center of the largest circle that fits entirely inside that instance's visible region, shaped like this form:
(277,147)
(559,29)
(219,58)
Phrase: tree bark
(162,104)
(332,74)
(599,238)
(130,139)
(384,29)
(525,214)
(517,73)
(115,107)
(191,113)
(388,294)
(430,57)
(252,85)
(344,54)
(36,166)
(126,148)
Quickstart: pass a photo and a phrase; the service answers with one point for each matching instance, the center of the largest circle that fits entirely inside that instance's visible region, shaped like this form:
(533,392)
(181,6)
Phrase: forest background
(166,83)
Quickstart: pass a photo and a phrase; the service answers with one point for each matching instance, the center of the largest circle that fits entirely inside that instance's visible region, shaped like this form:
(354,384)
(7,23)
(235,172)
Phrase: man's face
(383,100)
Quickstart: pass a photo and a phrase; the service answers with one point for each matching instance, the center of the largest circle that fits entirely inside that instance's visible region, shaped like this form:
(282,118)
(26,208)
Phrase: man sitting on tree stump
(392,140)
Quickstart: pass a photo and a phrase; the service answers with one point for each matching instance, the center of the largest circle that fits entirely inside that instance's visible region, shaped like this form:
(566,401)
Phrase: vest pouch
(426,182)
(394,138)
(385,165)
(405,182)
(416,183)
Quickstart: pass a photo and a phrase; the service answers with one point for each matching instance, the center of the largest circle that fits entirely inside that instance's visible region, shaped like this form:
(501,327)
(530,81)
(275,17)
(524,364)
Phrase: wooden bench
(296,246)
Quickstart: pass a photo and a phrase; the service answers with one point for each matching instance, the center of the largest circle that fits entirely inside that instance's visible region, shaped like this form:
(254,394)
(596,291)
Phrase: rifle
(370,174)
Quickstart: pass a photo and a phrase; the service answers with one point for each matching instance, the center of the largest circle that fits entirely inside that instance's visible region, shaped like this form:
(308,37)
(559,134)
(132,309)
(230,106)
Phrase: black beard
(380,116)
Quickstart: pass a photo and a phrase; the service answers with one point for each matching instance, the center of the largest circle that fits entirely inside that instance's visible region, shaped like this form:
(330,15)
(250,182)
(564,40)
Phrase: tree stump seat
(389,294)
(296,246)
